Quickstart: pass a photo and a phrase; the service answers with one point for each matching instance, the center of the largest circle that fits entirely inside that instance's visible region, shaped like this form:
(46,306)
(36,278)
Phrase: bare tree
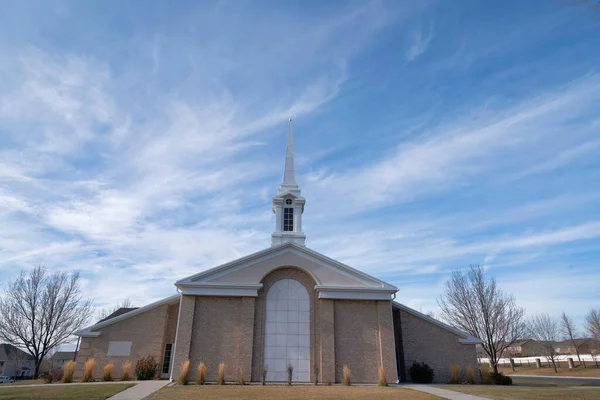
(592,323)
(472,302)
(569,330)
(40,311)
(545,330)
(107,311)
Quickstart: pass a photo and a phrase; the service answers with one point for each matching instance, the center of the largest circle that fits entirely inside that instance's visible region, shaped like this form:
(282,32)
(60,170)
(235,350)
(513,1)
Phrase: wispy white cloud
(419,41)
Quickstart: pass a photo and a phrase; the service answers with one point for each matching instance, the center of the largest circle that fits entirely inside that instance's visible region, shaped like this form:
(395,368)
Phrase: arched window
(287,331)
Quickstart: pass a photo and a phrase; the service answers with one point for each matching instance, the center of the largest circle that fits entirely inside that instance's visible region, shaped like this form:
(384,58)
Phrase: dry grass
(518,393)
(201,379)
(68,370)
(182,379)
(63,392)
(221,374)
(241,380)
(88,370)
(107,376)
(126,367)
(382,381)
(296,392)
(484,371)
(469,375)
(347,376)
(455,370)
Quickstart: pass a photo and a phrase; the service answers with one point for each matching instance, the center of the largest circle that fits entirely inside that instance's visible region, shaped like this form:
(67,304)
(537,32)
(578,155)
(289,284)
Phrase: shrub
(201,380)
(221,374)
(382,377)
(421,373)
(316,369)
(484,372)
(107,377)
(182,379)
(469,375)
(455,374)
(328,382)
(263,376)
(241,380)
(68,370)
(145,369)
(126,367)
(52,376)
(290,372)
(88,370)
(347,376)
(501,379)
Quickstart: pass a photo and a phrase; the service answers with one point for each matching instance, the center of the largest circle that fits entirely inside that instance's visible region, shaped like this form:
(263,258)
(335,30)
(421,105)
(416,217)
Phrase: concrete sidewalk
(443,393)
(139,391)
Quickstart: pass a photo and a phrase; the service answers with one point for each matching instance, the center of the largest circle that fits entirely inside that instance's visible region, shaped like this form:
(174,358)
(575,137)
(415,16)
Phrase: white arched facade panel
(287,331)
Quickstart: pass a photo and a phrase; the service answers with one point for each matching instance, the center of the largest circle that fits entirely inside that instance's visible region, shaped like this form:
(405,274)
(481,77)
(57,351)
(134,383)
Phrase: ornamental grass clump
(455,374)
(201,379)
(290,373)
(221,374)
(107,376)
(145,369)
(88,370)
(382,381)
(68,371)
(347,376)
(126,371)
(241,380)
(263,377)
(182,379)
(484,372)
(469,375)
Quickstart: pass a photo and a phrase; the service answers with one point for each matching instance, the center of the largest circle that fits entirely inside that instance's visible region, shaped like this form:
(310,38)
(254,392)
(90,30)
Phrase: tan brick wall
(260,312)
(427,342)
(327,340)
(387,344)
(146,332)
(222,333)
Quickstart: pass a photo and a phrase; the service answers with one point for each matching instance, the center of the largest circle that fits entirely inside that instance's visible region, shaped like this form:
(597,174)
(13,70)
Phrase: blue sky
(141,142)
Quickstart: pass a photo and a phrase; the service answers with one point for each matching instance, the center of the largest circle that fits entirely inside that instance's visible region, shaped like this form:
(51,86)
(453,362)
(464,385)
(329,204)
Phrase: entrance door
(287,332)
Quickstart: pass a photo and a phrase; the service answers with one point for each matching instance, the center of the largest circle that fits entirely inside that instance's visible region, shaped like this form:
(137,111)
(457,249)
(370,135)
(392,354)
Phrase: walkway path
(139,391)
(443,393)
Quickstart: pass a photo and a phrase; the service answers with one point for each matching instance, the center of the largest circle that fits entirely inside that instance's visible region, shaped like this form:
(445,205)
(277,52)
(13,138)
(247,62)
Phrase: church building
(286,305)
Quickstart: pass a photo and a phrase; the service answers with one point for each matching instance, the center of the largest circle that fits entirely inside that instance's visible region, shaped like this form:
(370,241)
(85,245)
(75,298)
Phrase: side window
(119,349)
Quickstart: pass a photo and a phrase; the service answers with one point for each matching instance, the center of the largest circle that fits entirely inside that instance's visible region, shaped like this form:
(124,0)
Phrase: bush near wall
(421,372)
(145,369)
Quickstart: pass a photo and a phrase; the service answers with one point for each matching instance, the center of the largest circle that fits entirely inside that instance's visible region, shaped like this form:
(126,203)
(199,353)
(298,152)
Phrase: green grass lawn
(521,393)
(26,382)
(271,392)
(63,392)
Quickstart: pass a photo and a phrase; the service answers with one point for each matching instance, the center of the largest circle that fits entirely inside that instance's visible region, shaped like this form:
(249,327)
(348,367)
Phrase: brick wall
(146,331)
(424,341)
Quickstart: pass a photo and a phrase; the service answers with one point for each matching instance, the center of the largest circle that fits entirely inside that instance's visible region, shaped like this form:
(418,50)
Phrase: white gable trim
(301,251)
(219,289)
(91,331)
(466,338)
(354,293)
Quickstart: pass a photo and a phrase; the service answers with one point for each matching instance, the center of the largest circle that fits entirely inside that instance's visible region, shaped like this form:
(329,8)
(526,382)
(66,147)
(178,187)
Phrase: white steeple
(288,205)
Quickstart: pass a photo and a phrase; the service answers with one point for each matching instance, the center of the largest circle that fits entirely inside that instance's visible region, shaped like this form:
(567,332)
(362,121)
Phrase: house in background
(585,345)
(524,348)
(58,359)
(14,362)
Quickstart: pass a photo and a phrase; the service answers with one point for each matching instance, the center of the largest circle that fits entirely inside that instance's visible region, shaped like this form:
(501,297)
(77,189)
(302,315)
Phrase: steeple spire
(289,176)
(288,205)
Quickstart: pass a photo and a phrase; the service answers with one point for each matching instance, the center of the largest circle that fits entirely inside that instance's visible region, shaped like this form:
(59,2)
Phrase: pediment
(245,275)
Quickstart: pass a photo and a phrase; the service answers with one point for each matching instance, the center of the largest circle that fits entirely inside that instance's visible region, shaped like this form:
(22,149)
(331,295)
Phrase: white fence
(560,359)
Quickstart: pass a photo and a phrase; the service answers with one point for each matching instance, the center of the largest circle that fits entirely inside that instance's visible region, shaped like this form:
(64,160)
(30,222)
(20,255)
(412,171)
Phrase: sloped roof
(465,338)
(62,355)
(120,311)
(10,352)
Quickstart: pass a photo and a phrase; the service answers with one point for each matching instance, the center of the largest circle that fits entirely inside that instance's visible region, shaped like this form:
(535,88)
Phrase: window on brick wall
(119,348)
